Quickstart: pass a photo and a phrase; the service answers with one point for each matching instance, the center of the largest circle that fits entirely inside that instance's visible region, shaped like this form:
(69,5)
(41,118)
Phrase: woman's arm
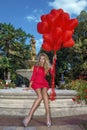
(32,78)
(33,74)
(30,84)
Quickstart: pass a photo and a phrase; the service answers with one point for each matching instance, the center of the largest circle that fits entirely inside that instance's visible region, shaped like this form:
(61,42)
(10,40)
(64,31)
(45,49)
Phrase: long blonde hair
(47,64)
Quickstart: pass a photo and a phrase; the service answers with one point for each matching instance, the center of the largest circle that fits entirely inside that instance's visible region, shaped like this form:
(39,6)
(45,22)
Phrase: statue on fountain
(31,62)
(33,49)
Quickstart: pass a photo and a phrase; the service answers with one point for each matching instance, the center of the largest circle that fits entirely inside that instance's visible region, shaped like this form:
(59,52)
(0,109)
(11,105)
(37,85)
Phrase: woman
(40,85)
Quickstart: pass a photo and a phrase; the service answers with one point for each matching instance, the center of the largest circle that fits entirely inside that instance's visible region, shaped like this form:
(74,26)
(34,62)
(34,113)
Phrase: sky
(26,14)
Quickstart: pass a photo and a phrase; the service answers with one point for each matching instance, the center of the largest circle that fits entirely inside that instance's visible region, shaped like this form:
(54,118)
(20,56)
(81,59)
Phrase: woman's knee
(44,92)
(40,97)
(39,94)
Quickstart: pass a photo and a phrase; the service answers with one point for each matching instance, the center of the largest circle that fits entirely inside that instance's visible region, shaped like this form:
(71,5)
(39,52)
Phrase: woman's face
(42,60)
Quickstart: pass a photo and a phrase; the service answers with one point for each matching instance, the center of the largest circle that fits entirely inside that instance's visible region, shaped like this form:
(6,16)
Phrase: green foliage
(81,30)
(13,45)
(14,49)
(1,84)
(4,62)
(81,87)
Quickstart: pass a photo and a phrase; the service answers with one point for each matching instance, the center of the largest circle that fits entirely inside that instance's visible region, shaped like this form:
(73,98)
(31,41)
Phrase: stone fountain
(28,72)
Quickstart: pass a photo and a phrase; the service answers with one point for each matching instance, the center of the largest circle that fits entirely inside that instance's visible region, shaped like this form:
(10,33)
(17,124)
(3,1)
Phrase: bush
(4,85)
(81,87)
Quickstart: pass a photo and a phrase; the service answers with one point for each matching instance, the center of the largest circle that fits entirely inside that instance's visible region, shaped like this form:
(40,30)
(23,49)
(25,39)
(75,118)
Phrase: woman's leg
(34,106)
(46,104)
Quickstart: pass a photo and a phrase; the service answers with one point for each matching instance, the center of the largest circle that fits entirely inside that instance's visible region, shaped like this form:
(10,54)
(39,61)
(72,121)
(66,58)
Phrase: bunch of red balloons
(57,29)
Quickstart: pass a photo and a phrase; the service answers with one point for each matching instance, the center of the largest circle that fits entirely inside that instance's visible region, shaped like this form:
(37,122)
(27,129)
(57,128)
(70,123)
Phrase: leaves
(14,49)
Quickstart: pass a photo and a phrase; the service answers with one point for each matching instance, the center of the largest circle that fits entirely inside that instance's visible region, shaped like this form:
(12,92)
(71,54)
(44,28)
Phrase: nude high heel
(24,123)
(48,121)
(49,124)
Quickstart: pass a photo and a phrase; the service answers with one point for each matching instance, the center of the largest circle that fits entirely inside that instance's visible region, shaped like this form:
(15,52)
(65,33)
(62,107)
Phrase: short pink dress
(38,78)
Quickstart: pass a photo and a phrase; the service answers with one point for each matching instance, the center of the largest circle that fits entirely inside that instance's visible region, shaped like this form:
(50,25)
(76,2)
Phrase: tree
(13,48)
(81,30)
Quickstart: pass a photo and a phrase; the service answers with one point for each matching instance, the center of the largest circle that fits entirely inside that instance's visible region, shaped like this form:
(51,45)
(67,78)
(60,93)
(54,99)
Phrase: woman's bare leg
(46,104)
(35,105)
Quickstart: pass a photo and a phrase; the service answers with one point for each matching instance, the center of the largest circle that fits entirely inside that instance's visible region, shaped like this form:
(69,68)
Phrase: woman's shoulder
(35,66)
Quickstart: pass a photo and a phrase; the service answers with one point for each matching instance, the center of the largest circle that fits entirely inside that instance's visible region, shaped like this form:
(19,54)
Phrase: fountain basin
(25,73)
(17,101)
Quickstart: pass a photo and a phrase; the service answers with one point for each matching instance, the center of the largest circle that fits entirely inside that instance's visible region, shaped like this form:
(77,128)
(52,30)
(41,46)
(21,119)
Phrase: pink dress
(38,78)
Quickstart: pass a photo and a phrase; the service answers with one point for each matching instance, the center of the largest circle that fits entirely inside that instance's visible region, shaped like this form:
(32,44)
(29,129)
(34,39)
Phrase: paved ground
(38,123)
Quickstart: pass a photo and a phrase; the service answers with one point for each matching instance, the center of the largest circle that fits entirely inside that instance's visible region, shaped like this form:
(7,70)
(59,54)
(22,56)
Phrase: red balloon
(61,21)
(48,38)
(67,35)
(60,39)
(57,17)
(57,46)
(65,16)
(72,23)
(43,18)
(42,27)
(64,20)
(59,11)
(46,46)
(53,11)
(50,19)
(68,43)
(57,33)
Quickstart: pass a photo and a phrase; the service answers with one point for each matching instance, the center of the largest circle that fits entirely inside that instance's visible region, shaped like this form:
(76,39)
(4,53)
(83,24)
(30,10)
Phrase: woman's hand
(28,88)
(55,57)
(30,84)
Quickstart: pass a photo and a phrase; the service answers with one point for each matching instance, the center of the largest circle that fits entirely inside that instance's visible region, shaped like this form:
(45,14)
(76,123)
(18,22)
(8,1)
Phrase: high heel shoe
(49,124)
(24,123)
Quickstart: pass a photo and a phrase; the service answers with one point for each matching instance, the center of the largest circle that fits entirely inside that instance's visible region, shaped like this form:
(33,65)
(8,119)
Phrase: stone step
(27,103)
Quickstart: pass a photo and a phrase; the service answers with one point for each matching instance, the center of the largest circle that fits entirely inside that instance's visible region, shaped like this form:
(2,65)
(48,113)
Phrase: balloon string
(53,94)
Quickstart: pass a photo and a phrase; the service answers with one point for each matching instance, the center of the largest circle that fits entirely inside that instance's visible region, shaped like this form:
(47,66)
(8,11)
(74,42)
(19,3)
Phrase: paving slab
(9,128)
(64,127)
(39,123)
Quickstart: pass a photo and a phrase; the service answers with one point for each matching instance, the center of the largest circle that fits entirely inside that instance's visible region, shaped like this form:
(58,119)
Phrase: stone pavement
(68,127)
(39,123)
